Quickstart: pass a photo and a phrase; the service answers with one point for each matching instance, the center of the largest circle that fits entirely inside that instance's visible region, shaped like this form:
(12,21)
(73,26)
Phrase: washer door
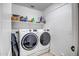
(29,41)
(45,38)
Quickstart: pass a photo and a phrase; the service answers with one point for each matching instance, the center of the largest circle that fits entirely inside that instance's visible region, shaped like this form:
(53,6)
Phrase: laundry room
(47,22)
(39,29)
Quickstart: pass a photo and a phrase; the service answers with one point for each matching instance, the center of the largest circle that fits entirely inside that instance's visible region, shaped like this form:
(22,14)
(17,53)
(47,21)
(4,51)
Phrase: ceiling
(38,6)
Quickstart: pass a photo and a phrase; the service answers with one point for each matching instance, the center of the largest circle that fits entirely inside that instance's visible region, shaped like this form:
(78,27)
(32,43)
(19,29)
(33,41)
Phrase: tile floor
(47,54)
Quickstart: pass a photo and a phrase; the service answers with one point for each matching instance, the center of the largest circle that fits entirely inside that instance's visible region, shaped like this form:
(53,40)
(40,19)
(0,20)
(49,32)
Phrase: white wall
(25,11)
(5,29)
(60,20)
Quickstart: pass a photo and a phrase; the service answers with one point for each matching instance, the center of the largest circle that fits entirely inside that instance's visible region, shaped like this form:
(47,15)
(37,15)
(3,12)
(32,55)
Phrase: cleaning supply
(38,20)
(23,18)
(42,19)
(32,20)
(15,17)
(29,20)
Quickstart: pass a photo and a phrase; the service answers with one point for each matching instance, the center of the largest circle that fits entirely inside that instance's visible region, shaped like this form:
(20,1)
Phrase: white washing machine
(28,42)
(44,41)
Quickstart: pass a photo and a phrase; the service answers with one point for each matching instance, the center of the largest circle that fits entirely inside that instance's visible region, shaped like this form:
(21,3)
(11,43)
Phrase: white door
(63,31)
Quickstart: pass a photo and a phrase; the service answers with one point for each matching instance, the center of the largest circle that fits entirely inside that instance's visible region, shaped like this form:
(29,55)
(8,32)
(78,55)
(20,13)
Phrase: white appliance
(28,42)
(44,41)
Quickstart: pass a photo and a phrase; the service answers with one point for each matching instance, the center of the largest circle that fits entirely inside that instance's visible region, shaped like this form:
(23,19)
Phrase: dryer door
(45,38)
(29,41)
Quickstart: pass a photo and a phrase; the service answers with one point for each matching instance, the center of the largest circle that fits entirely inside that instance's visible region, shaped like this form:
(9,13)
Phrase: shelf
(26,22)
(26,25)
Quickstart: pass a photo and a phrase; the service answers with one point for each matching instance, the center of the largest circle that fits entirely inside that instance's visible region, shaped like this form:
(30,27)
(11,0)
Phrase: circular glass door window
(45,38)
(29,41)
